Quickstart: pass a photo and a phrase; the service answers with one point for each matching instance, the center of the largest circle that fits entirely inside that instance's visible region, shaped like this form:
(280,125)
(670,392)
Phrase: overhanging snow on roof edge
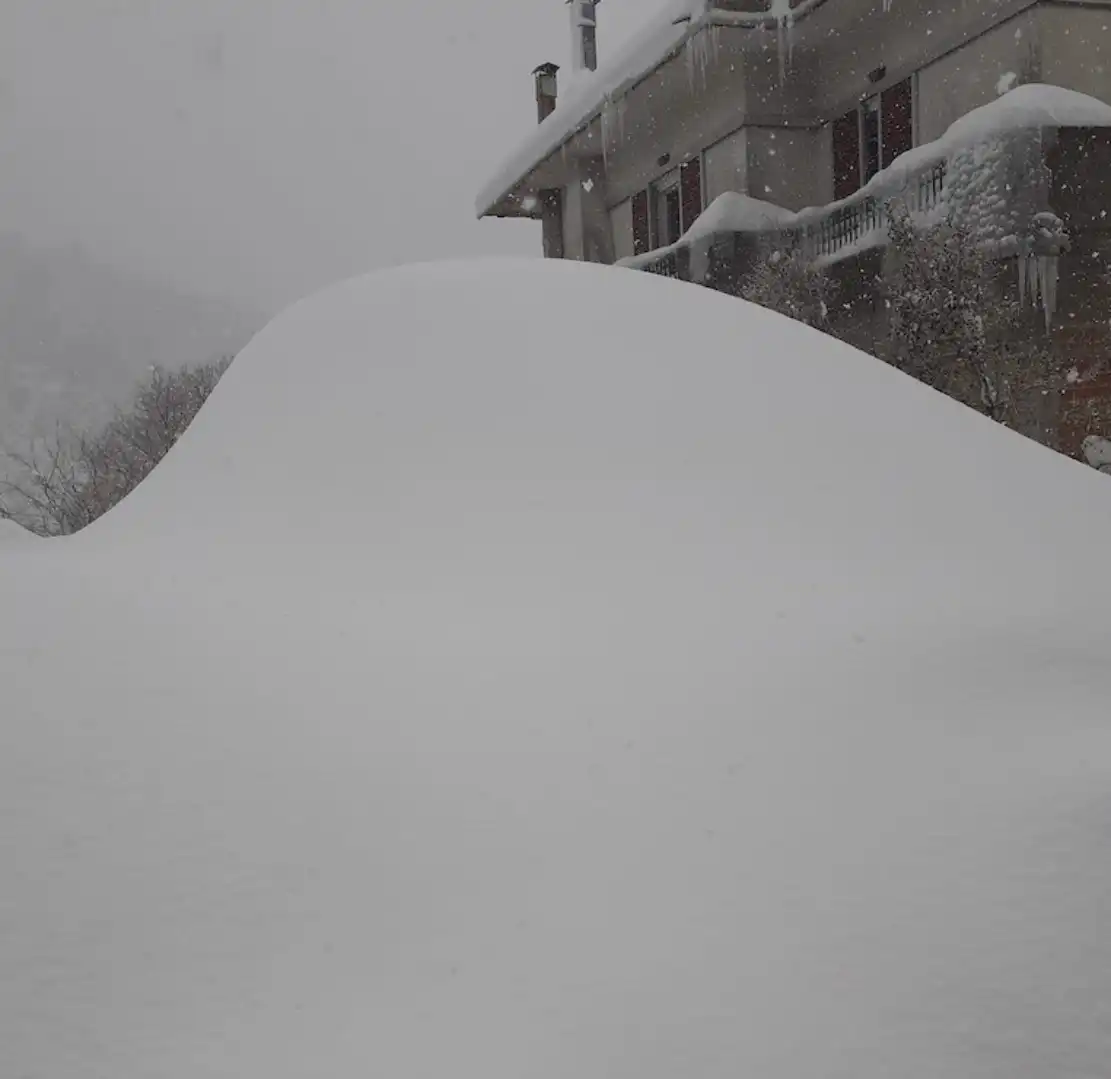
(587,98)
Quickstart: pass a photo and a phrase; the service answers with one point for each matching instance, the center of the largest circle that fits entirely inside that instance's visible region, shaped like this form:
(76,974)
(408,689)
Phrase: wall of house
(725,166)
(971,76)
(790,168)
(573,241)
(907,38)
(1076,48)
(781,82)
(587,232)
(699,112)
(621,224)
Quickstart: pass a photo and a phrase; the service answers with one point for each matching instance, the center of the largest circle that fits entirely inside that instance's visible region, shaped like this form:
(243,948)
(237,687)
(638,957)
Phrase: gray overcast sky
(262,148)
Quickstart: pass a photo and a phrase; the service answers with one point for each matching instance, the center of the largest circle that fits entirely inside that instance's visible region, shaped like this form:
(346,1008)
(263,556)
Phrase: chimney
(547,87)
(584,34)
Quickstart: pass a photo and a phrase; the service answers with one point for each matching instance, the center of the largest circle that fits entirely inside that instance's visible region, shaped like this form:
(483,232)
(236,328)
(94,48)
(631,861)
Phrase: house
(798,103)
(725,121)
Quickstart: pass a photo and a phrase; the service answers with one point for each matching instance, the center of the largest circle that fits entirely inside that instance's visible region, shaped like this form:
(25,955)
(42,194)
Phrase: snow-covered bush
(952,326)
(66,482)
(787,282)
(1097,452)
(940,297)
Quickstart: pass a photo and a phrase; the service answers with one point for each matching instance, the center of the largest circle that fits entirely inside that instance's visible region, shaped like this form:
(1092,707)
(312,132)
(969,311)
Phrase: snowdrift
(543,669)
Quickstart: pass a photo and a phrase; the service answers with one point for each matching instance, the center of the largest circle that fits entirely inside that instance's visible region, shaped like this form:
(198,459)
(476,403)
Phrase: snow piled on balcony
(994,163)
(729,212)
(968,141)
(733,212)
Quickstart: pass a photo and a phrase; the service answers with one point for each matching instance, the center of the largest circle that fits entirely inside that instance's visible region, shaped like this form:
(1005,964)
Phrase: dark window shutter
(846,155)
(642,239)
(870,128)
(897,106)
(690,192)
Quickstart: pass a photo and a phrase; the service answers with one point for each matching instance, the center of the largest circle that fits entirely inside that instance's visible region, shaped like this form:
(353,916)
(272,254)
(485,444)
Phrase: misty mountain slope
(75,336)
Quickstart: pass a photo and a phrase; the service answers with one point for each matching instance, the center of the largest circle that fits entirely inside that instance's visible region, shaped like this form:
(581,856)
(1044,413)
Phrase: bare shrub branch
(787,282)
(65,482)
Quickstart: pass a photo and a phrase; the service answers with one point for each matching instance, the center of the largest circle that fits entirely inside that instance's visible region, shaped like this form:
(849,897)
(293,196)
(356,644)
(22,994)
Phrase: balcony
(860,220)
(824,234)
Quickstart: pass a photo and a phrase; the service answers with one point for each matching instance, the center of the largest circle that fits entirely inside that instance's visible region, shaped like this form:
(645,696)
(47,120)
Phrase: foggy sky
(260,149)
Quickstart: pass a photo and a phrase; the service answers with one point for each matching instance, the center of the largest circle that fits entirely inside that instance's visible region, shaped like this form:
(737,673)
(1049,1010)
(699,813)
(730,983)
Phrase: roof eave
(711,17)
(595,114)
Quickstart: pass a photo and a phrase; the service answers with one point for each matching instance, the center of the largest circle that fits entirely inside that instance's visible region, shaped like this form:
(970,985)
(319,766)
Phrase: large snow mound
(536,668)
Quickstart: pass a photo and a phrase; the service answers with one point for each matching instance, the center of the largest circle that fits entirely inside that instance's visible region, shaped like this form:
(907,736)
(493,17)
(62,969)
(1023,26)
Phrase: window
(551,214)
(669,220)
(690,191)
(665,211)
(642,228)
(868,138)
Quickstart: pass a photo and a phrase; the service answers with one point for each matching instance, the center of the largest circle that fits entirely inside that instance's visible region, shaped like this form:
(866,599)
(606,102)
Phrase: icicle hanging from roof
(784,16)
(700,51)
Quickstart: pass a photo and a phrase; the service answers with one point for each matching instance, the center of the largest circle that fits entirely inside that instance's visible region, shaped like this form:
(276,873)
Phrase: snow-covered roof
(586,96)
(582,97)
(567,674)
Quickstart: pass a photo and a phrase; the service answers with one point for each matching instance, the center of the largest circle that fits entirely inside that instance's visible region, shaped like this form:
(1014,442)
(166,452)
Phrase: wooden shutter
(897,108)
(642,233)
(846,155)
(690,192)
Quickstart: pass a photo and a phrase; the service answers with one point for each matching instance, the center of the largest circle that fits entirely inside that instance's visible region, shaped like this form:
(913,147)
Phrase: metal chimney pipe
(547,90)
(584,34)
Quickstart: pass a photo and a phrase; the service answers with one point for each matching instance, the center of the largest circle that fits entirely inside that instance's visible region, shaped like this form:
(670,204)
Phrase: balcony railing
(832,232)
(862,219)
(667,265)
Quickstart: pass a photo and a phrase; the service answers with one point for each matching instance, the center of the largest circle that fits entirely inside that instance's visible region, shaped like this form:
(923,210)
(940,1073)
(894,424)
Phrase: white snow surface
(478,691)
(11,533)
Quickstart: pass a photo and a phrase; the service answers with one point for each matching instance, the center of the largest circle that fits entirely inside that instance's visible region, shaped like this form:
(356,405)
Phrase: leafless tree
(65,482)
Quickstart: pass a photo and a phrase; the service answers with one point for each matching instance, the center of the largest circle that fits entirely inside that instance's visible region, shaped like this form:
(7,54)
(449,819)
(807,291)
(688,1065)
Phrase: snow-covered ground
(535,669)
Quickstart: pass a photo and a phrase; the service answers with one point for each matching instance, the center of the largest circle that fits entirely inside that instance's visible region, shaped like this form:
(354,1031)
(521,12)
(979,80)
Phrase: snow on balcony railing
(861,220)
(666,264)
(823,233)
(964,172)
